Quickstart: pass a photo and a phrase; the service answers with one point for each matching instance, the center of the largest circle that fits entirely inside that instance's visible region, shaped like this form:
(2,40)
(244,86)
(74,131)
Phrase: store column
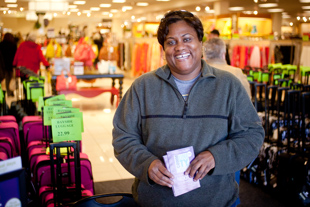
(276,24)
(221,8)
(117,28)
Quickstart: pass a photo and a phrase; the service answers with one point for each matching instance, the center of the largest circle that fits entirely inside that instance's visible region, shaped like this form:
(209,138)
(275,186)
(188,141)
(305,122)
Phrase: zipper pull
(185,110)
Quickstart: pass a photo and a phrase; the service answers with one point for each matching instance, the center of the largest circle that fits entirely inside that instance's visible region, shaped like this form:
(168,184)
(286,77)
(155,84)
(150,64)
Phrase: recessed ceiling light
(21,9)
(268,5)
(237,8)
(79,13)
(88,14)
(198,8)
(72,6)
(94,9)
(105,5)
(305,7)
(207,8)
(12,5)
(142,4)
(79,2)
(118,1)
(275,10)
(55,14)
(110,15)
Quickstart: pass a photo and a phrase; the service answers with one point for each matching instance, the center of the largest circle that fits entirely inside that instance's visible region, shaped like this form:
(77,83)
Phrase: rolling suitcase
(65,177)
(10,130)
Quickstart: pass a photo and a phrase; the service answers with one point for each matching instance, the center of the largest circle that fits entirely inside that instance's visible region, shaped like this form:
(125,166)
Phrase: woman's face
(183,51)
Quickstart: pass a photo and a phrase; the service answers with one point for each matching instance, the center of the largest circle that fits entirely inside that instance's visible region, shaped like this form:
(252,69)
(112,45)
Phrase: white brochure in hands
(177,161)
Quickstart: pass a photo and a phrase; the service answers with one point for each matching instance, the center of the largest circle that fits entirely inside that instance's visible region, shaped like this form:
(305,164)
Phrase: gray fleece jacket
(218,116)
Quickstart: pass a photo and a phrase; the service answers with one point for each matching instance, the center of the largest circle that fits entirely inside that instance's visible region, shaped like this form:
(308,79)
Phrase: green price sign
(66,129)
(65,110)
(40,103)
(54,98)
(305,38)
(48,115)
(67,103)
(78,115)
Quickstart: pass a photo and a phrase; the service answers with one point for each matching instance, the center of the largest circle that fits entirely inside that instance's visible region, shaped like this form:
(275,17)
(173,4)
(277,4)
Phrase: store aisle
(97,137)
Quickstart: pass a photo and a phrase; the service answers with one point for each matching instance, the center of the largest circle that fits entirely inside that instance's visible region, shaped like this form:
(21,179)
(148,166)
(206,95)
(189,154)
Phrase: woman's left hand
(201,165)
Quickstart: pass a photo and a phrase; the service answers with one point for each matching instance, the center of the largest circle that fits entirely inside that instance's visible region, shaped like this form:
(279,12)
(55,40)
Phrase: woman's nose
(180,46)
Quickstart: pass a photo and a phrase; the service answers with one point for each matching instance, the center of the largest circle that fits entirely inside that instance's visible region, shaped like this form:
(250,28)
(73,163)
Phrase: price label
(40,103)
(66,129)
(78,115)
(65,110)
(48,115)
(67,103)
(54,98)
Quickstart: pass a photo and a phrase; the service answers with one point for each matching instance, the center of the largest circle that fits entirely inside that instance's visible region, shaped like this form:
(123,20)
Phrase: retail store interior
(122,35)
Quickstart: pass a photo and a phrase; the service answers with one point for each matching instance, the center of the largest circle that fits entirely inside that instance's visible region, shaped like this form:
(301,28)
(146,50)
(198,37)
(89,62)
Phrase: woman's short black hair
(175,16)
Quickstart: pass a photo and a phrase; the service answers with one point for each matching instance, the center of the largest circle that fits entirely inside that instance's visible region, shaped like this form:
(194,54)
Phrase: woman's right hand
(159,174)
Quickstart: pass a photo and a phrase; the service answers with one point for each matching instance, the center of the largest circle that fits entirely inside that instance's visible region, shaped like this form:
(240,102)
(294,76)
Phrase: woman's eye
(187,39)
(171,42)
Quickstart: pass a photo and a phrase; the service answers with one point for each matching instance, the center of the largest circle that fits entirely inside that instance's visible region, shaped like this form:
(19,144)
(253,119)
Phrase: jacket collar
(217,61)
(165,73)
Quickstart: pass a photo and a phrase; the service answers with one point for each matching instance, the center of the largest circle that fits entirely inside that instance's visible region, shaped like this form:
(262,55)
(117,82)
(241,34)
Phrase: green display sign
(54,98)
(48,115)
(67,103)
(66,129)
(305,38)
(78,115)
(40,103)
(65,110)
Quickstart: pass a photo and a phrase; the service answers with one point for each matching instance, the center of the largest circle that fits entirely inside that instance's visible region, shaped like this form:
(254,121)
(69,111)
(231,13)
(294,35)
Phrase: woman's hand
(159,174)
(201,165)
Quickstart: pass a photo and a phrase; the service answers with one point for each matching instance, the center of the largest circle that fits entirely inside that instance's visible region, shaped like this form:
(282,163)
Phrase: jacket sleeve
(42,58)
(245,135)
(127,141)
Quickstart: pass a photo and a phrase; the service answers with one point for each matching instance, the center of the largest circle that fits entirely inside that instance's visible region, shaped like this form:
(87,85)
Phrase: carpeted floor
(250,195)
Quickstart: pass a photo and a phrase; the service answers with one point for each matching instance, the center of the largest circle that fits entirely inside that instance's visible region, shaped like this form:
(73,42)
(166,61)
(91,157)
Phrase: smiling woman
(182,104)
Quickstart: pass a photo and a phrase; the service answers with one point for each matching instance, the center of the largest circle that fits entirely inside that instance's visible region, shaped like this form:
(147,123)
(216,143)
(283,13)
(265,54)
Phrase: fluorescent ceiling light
(305,7)
(94,9)
(105,13)
(12,5)
(114,10)
(118,1)
(127,8)
(10,1)
(74,10)
(286,16)
(142,4)
(86,11)
(105,5)
(79,2)
(4,9)
(306,11)
(268,5)
(304,1)
(211,11)
(162,0)
(72,6)
(237,8)
(275,10)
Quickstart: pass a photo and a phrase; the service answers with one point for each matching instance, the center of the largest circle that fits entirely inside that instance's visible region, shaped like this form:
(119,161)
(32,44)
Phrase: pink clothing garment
(246,56)
(255,59)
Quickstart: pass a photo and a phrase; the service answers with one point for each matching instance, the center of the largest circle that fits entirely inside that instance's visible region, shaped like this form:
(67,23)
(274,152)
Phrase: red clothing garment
(29,55)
